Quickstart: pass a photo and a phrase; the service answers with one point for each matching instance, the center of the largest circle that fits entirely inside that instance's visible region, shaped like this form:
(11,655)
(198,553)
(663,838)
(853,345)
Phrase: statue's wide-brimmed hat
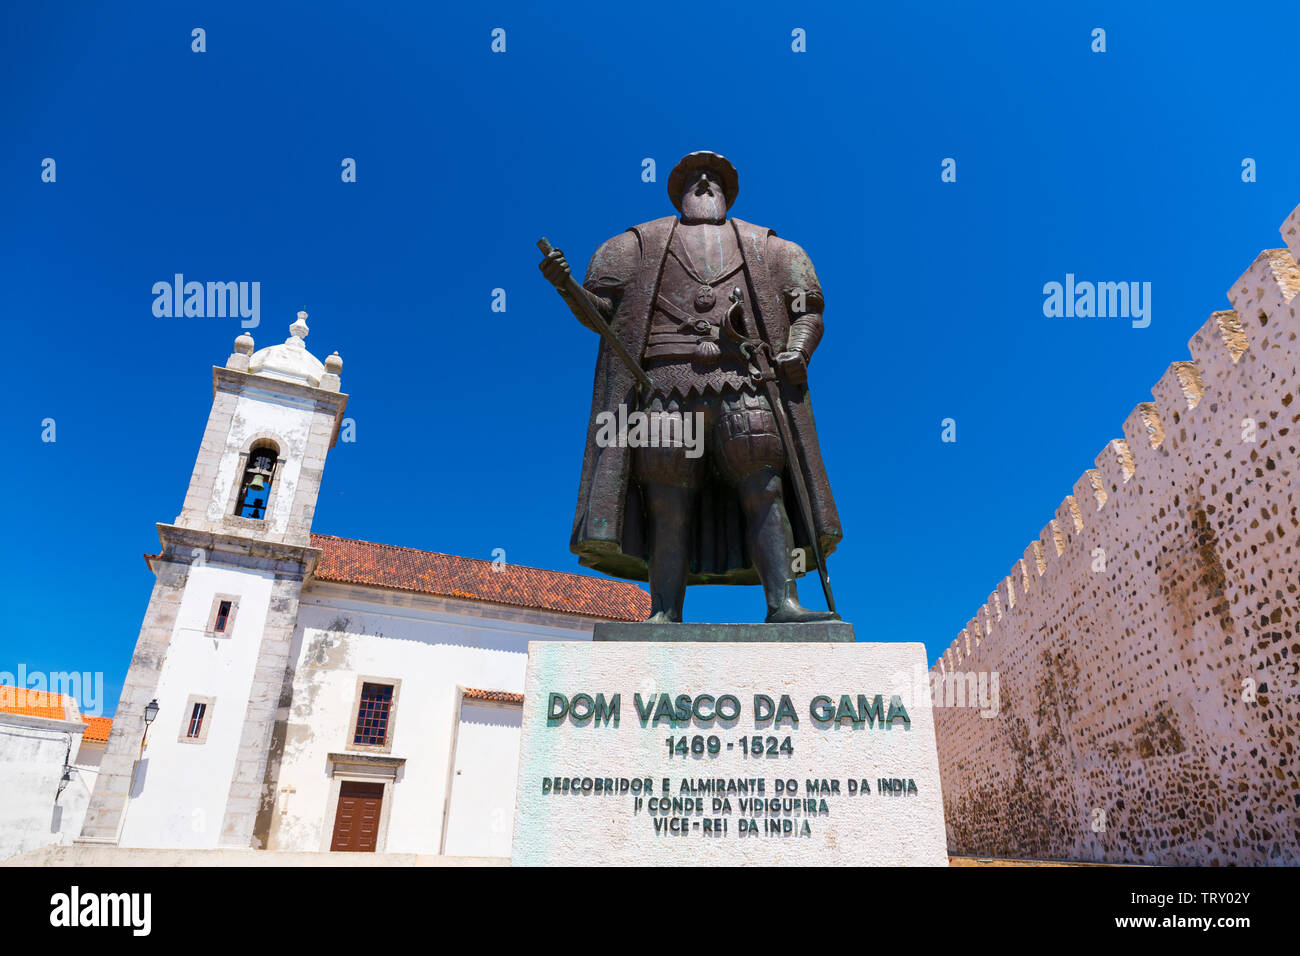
(703,159)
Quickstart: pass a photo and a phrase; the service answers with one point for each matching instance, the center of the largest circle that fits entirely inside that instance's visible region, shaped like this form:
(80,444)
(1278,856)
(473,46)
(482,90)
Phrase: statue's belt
(695,324)
(695,336)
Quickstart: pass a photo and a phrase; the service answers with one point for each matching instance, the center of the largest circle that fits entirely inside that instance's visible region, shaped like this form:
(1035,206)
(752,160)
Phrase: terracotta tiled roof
(21,700)
(349,561)
(500,696)
(40,703)
(32,703)
(97,728)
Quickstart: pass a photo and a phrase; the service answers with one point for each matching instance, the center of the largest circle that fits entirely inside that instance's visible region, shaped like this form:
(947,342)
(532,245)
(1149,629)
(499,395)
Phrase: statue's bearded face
(703,199)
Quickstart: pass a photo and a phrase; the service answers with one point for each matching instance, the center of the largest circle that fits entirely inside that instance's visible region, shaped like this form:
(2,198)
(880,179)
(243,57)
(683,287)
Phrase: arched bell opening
(259,474)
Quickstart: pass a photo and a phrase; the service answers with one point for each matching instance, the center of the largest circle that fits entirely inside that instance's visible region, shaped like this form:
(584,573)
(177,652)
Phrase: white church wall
(434,647)
(481,802)
(180,788)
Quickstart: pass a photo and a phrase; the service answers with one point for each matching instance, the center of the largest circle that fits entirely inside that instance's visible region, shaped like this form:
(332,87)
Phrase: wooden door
(356,824)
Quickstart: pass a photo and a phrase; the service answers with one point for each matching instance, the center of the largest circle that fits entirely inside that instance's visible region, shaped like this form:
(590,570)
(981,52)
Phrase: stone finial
(298,331)
(243,349)
(330,380)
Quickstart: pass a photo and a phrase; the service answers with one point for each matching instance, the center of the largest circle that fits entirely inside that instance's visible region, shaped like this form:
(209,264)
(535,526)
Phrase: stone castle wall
(1146,645)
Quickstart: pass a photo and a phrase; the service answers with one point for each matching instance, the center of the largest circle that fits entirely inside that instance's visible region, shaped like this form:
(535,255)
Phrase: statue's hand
(555,268)
(792,366)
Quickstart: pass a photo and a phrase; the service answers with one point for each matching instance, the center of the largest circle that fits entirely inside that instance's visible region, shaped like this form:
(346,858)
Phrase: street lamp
(63,784)
(67,771)
(150,714)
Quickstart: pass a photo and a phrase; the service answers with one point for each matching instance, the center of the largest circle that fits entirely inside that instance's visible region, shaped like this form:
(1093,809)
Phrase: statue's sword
(598,322)
(758,354)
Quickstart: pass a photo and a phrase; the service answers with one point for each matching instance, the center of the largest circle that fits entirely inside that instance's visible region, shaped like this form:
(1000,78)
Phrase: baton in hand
(578,296)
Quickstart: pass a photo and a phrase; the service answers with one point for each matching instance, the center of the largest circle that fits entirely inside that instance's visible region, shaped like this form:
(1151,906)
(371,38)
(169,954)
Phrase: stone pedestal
(809,752)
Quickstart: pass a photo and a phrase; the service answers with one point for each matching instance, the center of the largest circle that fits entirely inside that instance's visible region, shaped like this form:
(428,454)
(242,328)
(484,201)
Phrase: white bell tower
(214,647)
(271,402)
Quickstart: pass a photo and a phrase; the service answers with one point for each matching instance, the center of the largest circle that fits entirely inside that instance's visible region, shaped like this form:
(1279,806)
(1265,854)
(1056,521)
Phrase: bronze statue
(705,321)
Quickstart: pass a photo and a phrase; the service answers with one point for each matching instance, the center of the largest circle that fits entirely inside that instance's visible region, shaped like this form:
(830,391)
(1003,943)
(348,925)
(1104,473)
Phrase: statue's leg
(750,455)
(671,509)
(670,484)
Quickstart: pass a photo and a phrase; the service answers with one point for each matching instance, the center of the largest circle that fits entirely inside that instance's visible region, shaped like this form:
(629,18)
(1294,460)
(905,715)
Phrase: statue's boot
(771,543)
(790,611)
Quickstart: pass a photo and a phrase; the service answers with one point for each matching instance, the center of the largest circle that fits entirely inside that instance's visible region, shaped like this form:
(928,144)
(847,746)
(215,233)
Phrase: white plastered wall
(481,804)
(434,650)
(180,789)
(32,751)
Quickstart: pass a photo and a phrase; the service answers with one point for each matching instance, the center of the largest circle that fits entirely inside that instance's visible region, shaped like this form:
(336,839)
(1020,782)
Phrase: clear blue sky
(226,166)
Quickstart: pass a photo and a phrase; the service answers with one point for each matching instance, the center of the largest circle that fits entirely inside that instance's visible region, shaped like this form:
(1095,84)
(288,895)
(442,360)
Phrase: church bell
(260,471)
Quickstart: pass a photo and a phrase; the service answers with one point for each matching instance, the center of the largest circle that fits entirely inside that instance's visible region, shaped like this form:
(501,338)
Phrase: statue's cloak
(610,527)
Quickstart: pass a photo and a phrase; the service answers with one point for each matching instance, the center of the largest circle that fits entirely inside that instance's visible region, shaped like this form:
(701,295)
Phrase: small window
(372,715)
(196,721)
(255,488)
(222,616)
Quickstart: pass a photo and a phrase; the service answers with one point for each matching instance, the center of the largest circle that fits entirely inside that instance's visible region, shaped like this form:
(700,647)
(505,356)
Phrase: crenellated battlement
(1265,291)
(1119,645)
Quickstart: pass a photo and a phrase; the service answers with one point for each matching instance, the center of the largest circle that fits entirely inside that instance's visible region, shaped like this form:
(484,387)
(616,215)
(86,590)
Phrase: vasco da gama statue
(713,321)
